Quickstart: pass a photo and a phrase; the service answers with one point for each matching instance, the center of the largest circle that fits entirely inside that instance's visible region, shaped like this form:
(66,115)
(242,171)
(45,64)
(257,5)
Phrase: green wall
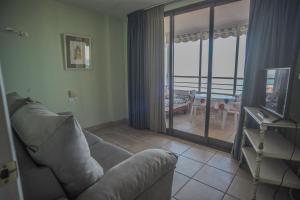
(34,66)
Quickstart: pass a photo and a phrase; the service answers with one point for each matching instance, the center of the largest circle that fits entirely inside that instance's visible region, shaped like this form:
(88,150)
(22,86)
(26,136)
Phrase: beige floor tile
(224,163)
(241,188)
(155,139)
(204,147)
(181,140)
(195,190)
(265,192)
(123,140)
(244,172)
(139,147)
(178,181)
(227,154)
(228,197)
(112,139)
(198,154)
(176,147)
(214,177)
(138,134)
(187,166)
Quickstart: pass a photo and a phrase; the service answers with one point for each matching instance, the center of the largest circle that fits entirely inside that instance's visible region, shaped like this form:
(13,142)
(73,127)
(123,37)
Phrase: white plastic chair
(198,106)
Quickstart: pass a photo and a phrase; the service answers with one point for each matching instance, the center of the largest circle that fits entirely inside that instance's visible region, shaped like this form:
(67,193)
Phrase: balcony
(189,107)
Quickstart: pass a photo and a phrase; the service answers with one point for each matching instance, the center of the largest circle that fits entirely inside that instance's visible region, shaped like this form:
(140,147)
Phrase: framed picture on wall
(77,52)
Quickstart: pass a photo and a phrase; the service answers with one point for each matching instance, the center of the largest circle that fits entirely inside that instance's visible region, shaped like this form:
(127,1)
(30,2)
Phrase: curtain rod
(160,4)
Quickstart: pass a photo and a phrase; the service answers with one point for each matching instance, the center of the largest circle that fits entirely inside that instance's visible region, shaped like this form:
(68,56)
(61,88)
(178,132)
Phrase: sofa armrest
(132,177)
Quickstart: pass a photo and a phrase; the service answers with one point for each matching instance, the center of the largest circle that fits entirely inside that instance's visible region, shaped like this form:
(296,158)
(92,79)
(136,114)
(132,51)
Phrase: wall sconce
(20,34)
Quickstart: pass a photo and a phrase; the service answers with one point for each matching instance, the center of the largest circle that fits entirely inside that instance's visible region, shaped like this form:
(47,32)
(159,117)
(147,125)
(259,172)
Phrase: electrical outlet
(72,96)
(72,99)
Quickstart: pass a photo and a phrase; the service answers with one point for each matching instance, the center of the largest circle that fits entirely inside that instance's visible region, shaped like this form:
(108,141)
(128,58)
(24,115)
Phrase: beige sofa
(147,175)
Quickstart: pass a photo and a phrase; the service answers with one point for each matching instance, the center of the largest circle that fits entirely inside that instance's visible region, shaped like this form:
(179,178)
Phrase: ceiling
(118,8)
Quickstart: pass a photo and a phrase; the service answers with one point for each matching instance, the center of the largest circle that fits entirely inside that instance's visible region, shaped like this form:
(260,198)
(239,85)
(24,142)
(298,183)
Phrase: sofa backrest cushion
(14,102)
(57,141)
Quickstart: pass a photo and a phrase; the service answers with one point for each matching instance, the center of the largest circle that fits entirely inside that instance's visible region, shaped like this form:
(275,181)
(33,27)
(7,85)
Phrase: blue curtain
(136,70)
(146,69)
(272,41)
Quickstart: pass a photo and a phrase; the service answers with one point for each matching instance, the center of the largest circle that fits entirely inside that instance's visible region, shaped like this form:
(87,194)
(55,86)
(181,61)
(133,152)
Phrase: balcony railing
(220,85)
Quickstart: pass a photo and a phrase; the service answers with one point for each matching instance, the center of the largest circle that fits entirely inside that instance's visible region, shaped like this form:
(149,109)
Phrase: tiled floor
(202,173)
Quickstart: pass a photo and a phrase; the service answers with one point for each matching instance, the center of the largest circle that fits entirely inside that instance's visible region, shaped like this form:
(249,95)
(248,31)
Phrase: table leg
(236,121)
(242,145)
(192,113)
(224,117)
(243,139)
(256,175)
(259,155)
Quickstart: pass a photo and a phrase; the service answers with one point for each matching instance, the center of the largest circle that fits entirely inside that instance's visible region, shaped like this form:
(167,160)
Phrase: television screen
(277,83)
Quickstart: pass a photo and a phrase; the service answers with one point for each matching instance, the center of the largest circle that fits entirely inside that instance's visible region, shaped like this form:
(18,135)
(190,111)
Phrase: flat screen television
(277,89)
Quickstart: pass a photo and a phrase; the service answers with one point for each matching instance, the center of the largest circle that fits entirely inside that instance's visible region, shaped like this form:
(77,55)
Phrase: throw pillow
(57,142)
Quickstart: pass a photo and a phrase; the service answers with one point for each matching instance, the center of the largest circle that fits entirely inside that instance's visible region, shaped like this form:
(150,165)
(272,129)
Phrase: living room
(153,99)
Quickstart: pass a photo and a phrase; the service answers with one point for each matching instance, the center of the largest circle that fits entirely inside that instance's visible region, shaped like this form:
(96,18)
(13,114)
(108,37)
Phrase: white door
(11,190)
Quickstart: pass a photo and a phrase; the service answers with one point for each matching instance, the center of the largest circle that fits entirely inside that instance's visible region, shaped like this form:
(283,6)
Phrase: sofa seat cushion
(108,155)
(91,138)
(57,142)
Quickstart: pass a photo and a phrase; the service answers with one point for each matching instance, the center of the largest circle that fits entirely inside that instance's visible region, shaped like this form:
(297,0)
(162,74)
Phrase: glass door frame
(211,4)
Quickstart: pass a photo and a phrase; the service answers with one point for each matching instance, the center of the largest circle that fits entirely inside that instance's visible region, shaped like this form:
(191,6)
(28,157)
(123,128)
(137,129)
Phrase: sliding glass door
(230,26)
(204,57)
(188,109)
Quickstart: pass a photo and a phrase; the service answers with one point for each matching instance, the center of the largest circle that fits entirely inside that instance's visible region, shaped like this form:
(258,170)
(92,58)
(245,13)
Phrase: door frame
(12,190)
(211,4)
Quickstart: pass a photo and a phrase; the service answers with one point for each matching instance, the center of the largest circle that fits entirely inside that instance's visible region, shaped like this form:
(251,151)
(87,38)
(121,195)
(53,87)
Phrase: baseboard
(107,124)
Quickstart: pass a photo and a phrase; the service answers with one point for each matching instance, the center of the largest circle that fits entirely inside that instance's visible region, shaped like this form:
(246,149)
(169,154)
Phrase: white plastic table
(219,97)
(216,96)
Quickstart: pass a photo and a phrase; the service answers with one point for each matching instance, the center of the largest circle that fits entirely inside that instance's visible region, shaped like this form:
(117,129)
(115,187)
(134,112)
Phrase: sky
(186,61)
(186,57)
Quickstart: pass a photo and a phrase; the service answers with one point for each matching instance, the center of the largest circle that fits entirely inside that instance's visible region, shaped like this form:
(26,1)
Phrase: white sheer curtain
(154,68)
